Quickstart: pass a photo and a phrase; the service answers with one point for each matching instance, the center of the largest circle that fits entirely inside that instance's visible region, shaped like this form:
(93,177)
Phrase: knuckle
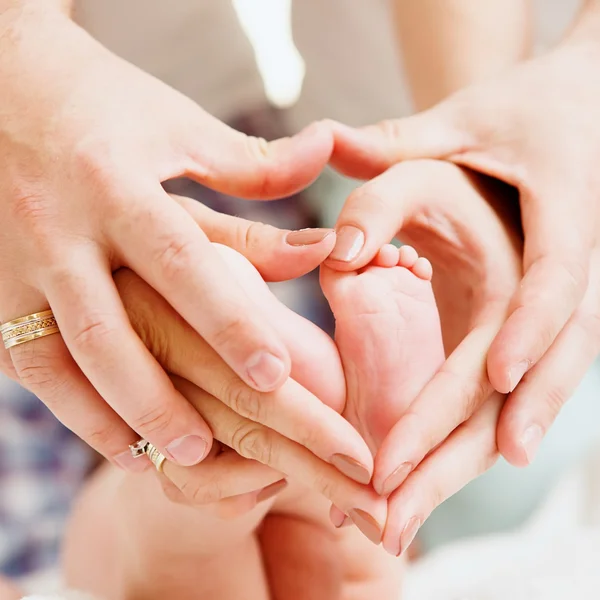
(231,330)
(371,197)
(253,233)
(175,256)
(94,160)
(258,151)
(327,486)
(253,441)
(94,332)
(555,397)
(391,129)
(257,148)
(173,493)
(196,491)
(153,421)
(244,400)
(100,436)
(38,370)
(30,207)
(472,391)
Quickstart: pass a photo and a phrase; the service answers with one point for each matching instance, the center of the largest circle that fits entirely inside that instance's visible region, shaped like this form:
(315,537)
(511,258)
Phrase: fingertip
(266,372)
(191,449)
(509,433)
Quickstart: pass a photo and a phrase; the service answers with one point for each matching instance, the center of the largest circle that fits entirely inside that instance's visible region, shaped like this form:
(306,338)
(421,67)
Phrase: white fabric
(555,556)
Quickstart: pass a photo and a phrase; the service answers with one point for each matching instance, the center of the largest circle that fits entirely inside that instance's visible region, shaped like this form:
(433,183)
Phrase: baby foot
(388,334)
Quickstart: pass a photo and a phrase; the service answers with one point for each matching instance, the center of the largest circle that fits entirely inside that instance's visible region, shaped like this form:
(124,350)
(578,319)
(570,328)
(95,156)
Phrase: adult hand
(535,128)
(464,225)
(85,141)
(295,430)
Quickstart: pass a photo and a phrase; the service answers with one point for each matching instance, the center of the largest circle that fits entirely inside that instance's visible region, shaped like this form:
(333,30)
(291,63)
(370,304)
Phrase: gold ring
(142,447)
(28,328)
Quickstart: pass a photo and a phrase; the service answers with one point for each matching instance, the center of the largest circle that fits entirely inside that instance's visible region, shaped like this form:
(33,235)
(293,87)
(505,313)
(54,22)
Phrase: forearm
(448,44)
(586,27)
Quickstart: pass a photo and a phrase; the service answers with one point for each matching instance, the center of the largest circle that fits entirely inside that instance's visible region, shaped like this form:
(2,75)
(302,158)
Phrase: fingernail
(130,464)
(367,524)
(531,440)
(271,490)
(188,450)
(307,237)
(265,371)
(408,534)
(348,244)
(338,518)
(515,374)
(351,468)
(395,479)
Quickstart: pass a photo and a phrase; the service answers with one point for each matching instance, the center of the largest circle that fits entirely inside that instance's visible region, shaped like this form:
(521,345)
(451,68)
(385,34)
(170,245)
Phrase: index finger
(558,242)
(255,441)
(292,410)
(161,242)
(450,398)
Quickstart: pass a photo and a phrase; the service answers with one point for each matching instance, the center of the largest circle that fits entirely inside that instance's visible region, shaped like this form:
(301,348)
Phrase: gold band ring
(28,328)
(142,447)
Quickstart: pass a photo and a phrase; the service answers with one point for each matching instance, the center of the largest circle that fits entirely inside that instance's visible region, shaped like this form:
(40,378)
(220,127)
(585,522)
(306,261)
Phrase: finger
(100,338)
(239,165)
(450,398)
(556,264)
(435,133)
(373,214)
(259,443)
(224,476)
(534,405)
(236,506)
(402,196)
(46,368)
(163,244)
(277,254)
(469,451)
(291,410)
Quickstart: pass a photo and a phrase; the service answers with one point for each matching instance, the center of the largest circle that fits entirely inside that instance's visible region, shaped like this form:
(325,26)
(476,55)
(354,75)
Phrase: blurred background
(269,68)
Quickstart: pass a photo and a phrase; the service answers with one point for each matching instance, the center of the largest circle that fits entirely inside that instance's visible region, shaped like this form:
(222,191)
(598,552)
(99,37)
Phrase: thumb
(233,163)
(277,254)
(375,212)
(439,132)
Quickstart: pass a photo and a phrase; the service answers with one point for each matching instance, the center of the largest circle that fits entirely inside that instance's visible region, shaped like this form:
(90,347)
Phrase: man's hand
(85,141)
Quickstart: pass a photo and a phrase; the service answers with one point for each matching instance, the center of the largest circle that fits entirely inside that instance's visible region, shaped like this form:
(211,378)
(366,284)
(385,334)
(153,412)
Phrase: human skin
(8,591)
(448,44)
(196,561)
(86,140)
(537,128)
(468,227)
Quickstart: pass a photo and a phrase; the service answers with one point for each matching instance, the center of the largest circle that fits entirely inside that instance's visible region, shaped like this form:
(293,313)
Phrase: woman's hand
(85,141)
(536,128)
(465,225)
(291,430)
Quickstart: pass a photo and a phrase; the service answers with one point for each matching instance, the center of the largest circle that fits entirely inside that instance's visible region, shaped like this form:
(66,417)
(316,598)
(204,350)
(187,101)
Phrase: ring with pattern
(28,328)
